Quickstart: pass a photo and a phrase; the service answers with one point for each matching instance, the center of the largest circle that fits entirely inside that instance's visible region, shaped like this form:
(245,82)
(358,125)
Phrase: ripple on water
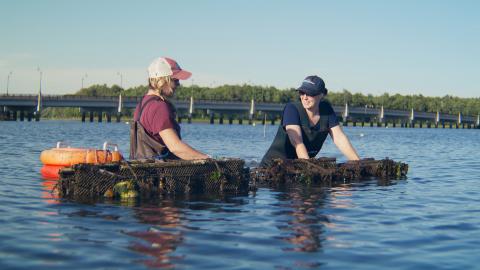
(428,221)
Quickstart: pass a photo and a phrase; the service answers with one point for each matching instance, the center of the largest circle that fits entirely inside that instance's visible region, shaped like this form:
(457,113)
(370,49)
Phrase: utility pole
(40,87)
(8,80)
(83,78)
(121,79)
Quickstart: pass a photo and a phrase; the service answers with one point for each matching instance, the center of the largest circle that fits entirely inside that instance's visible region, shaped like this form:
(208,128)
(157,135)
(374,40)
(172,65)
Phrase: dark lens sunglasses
(301,93)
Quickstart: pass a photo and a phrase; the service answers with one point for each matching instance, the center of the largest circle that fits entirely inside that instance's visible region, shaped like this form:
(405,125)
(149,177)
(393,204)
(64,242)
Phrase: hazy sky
(407,47)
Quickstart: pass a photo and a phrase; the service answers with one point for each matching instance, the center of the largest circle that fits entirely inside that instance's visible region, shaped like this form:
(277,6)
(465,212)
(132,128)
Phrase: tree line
(446,104)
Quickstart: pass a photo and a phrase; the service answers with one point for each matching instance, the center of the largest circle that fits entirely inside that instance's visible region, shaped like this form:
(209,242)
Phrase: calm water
(429,221)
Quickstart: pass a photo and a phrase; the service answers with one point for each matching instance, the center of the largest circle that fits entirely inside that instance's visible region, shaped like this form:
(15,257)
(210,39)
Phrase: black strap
(142,106)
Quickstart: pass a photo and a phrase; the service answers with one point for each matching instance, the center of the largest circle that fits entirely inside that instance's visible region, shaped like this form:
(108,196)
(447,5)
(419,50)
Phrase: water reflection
(163,238)
(171,218)
(308,221)
(306,226)
(49,195)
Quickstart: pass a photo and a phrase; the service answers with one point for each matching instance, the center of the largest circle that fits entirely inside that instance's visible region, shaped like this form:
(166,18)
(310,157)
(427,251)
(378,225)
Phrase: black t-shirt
(291,116)
(313,136)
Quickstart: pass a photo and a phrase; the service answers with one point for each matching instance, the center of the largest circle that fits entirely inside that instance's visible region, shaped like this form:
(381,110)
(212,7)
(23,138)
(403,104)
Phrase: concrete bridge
(30,106)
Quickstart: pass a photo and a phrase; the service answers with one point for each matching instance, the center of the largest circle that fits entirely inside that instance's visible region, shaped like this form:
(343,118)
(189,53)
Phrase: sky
(428,47)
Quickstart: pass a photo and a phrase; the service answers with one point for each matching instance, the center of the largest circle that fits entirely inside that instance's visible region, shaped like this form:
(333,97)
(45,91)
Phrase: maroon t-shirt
(157,115)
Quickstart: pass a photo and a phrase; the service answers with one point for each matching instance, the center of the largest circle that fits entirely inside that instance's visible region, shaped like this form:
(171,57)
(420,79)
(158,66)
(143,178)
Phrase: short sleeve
(332,120)
(158,117)
(326,108)
(290,115)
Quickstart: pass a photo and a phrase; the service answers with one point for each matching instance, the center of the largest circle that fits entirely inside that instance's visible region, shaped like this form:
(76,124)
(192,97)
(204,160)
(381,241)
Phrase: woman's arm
(295,136)
(343,143)
(178,147)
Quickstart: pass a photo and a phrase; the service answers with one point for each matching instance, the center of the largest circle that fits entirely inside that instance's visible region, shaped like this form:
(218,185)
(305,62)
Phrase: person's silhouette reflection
(306,226)
(162,239)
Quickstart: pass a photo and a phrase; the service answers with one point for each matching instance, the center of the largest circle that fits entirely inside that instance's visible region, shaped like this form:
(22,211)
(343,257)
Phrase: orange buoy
(51,171)
(60,157)
(71,156)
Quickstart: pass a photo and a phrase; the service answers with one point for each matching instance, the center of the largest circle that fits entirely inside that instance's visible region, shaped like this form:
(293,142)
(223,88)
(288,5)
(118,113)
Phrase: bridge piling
(212,118)
(37,116)
(272,121)
(91,116)
(29,116)
(109,117)
(220,121)
(230,119)
(83,116)
(240,120)
(100,115)
(22,116)
(119,117)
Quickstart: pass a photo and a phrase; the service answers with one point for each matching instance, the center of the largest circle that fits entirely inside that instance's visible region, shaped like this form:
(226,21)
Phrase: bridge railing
(220,105)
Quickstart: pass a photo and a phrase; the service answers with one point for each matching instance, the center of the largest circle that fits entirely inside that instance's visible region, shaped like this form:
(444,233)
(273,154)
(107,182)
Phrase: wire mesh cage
(326,171)
(149,178)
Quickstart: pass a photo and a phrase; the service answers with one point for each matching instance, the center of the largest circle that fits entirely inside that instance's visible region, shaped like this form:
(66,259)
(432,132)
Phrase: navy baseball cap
(313,86)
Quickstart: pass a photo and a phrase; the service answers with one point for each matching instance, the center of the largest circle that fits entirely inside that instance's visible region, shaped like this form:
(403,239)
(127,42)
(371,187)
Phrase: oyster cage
(150,179)
(325,171)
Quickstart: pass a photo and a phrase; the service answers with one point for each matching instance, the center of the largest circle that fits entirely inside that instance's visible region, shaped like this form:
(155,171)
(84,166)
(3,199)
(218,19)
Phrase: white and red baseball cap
(164,66)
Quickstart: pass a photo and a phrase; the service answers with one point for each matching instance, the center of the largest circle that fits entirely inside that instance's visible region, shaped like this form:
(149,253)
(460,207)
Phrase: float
(63,156)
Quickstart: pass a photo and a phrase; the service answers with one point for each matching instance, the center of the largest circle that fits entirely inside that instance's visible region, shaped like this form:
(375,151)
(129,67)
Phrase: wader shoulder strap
(324,112)
(303,115)
(143,105)
(142,145)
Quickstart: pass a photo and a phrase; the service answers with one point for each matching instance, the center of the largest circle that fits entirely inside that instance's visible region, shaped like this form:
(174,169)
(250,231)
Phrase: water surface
(429,221)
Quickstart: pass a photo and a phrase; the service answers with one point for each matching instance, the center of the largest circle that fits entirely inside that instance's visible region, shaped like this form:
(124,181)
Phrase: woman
(306,124)
(155,132)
